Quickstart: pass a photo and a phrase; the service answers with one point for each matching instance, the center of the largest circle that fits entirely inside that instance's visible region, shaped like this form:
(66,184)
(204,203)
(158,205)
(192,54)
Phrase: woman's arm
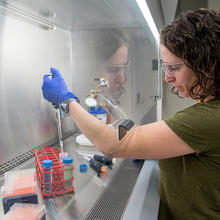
(151,141)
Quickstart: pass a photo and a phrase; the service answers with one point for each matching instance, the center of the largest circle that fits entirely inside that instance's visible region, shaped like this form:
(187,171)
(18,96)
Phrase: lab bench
(129,191)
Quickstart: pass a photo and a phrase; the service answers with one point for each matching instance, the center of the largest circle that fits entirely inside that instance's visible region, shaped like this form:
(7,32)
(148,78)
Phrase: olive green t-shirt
(190,184)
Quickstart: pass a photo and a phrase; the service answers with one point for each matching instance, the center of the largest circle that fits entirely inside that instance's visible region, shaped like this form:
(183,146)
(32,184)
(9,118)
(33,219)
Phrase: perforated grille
(112,202)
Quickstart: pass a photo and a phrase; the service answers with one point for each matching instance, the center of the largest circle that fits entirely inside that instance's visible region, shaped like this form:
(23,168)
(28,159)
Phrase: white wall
(172,103)
(169,9)
(214,4)
(145,80)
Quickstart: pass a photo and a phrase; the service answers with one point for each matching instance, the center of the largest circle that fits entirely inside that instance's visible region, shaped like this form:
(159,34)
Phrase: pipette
(59,125)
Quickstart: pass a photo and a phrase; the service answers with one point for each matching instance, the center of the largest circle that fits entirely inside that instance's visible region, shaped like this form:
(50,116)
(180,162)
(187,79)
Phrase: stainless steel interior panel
(26,53)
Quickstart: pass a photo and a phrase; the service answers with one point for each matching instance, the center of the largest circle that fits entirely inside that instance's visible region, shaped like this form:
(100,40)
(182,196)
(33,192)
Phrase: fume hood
(37,35)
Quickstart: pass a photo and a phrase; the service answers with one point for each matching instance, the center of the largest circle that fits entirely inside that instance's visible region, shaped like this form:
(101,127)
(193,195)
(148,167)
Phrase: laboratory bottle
(100,113)
(47,175)
(68,172)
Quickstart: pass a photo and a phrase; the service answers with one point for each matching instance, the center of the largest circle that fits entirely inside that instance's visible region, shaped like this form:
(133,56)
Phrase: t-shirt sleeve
(194,126)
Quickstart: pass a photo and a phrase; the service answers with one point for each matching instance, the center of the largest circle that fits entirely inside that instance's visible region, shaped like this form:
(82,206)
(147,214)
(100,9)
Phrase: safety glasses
(170,69)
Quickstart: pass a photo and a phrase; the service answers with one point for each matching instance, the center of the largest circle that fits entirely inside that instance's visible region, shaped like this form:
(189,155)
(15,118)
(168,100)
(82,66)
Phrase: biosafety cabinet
(37,35)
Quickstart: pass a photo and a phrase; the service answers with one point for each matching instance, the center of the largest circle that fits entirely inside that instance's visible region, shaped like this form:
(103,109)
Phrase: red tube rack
(57,171)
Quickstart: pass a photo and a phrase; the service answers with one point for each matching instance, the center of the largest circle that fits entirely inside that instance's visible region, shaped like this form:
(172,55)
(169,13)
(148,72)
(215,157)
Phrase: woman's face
(176,72)
(115,69)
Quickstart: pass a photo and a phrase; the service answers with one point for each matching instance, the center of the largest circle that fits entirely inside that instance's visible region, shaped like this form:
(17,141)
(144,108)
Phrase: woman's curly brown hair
(194,37)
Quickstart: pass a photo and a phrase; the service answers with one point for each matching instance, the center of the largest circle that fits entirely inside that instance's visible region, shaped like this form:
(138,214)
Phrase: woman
(187,143)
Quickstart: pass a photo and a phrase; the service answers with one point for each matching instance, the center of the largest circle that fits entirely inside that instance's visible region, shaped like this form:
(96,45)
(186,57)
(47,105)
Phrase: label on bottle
(102,117)
(68,174)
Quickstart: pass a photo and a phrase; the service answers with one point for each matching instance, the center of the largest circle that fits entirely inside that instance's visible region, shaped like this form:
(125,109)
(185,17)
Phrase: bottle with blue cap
(47,175)
(68,172)
(99,113)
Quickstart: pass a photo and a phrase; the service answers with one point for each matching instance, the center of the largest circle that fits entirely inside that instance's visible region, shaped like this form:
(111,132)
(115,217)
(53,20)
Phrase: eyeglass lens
(170,69)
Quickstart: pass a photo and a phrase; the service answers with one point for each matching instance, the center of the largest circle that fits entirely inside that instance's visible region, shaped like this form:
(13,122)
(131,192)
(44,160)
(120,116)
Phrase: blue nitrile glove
(55,89)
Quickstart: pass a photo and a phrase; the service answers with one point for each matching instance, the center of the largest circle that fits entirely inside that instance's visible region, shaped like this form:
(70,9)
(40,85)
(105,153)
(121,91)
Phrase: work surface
(94,197)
